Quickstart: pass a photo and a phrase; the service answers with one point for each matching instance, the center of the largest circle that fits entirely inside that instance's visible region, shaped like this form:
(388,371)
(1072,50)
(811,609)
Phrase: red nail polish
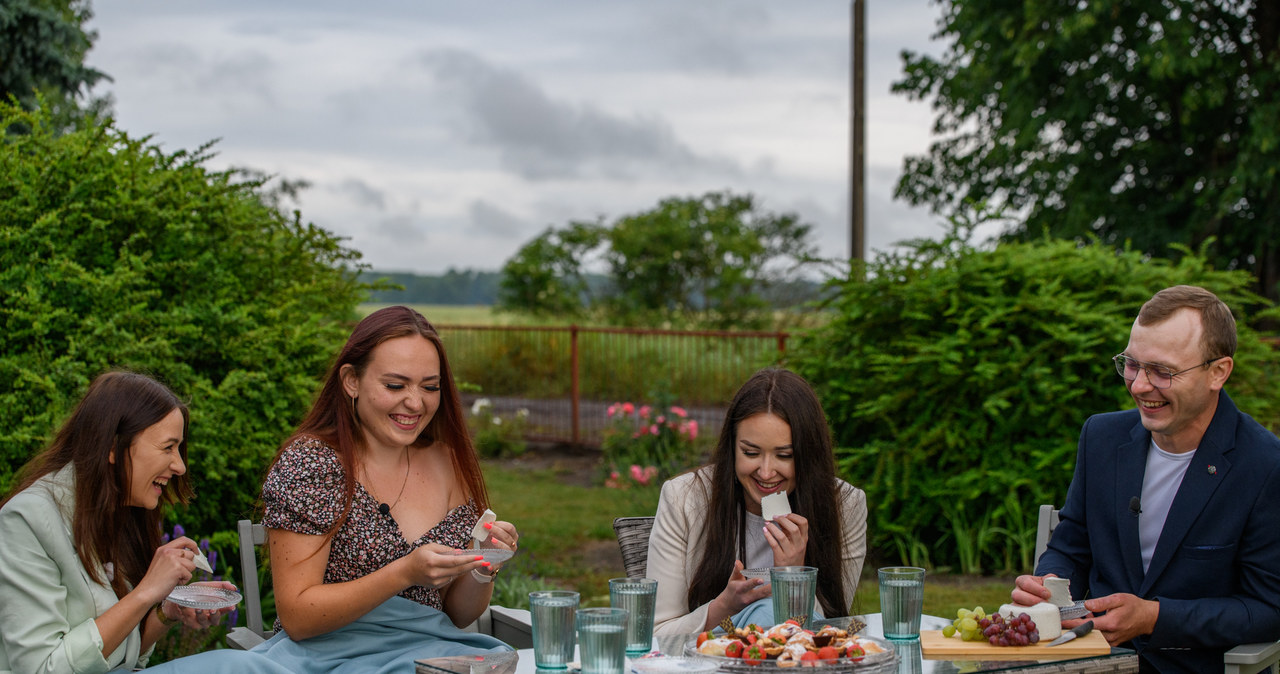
(486,565)
(478,558)
(488,525)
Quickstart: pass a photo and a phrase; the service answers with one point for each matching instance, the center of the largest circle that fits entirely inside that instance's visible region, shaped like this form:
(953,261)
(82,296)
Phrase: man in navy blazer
(1171,527)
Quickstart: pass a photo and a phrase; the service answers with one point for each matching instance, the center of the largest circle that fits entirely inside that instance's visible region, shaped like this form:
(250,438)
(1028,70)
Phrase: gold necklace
(383,507)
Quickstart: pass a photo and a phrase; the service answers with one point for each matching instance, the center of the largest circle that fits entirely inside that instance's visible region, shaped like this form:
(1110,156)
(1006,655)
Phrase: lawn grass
(560,523)
(454,314)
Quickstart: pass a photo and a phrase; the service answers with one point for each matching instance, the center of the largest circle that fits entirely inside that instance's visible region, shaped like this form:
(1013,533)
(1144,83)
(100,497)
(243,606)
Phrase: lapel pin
(1213,470)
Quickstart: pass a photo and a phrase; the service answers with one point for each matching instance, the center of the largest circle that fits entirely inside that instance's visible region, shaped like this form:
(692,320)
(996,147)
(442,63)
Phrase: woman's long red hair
(331,418)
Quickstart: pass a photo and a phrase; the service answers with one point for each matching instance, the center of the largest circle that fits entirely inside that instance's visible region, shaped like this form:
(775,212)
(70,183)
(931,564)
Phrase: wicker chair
(633,541)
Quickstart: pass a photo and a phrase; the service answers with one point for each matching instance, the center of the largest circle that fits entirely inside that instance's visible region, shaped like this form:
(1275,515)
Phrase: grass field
(561,524)
(449,314)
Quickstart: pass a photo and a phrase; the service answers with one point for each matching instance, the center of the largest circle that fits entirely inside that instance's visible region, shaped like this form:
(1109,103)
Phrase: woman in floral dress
(378,486)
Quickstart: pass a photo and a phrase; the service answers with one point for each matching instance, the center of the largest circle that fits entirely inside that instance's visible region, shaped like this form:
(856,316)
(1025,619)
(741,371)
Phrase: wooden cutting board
(934,646)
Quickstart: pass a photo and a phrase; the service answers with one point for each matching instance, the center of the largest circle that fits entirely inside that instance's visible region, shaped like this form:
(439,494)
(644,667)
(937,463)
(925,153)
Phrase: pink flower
(643,476)
(653,429)
(644,411)
(628,408)
(613,409)
(662,418)
(612,482)
(679,411)
(692,429)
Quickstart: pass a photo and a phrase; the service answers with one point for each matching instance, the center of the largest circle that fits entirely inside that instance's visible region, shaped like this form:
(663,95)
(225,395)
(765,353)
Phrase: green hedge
(115,254)
(956,380)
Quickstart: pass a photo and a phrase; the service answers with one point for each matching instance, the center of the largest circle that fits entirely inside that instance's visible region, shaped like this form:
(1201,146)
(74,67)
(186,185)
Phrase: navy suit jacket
(1216,567)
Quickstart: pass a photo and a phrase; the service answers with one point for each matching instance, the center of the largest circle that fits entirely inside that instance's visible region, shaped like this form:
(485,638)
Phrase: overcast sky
(446,134)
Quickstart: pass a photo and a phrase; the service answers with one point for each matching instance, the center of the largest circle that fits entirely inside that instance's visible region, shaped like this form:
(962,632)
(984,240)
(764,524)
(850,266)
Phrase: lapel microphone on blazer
(1135,506)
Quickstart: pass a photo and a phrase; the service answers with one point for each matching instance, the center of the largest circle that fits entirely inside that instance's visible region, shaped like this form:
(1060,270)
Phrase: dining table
(908,658)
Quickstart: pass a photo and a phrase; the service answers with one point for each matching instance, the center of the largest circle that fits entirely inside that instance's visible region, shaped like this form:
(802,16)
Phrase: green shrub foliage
(956,380)
(114,254)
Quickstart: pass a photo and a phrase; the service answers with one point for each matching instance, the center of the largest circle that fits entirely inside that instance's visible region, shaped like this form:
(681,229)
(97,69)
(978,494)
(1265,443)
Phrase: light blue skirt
(760,612)
(386,640)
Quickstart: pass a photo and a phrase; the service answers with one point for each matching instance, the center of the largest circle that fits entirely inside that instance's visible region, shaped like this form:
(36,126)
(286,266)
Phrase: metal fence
(567,376)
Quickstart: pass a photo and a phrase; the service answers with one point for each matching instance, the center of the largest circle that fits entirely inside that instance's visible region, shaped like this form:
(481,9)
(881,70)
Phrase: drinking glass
(901,598)
(551,612)
(794,590)
(602,640)
(637,596)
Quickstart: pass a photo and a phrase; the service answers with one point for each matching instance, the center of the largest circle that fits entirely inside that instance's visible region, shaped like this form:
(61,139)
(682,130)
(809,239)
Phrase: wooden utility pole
(857,137)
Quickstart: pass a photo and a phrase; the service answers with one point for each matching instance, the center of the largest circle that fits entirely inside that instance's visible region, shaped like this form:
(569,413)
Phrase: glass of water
(637,596)
(551,612)
(602,639)
(901,599)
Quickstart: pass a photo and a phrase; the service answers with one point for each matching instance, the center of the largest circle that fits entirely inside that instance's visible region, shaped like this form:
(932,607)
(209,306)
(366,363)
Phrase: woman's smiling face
(763,458)
(398,393)
(155,457)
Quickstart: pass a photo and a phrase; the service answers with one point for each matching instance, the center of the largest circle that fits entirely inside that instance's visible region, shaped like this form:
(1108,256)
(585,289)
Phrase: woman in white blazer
(83,576)
(710,524)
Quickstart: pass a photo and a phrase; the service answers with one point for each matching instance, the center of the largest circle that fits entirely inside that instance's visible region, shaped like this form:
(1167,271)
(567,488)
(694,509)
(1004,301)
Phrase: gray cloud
(708,37)
(488,218)
(245,73)
(402,229)
(363,193)
(541,138)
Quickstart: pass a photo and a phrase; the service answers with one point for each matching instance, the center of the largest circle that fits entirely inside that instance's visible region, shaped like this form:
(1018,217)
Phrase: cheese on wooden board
(1045,615)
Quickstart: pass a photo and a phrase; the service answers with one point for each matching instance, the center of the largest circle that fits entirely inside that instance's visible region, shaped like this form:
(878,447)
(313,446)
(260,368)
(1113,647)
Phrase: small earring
(354,415)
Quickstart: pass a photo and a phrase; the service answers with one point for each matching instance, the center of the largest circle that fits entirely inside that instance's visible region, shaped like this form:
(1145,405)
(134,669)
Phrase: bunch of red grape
(1019,630)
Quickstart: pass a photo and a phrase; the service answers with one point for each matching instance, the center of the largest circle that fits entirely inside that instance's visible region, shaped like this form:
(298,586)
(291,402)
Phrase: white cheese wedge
(1061,591)
(774,505)
(202,563)
(478,532)
(1045,615)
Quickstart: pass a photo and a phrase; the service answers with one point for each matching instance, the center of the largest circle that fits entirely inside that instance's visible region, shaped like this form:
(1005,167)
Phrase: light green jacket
(47,601)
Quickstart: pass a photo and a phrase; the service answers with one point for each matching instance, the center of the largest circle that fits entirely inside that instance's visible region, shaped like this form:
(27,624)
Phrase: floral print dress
(303,494)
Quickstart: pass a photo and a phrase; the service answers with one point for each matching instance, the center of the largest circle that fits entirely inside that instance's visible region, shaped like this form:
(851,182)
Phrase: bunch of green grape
(978,626)
(966,623)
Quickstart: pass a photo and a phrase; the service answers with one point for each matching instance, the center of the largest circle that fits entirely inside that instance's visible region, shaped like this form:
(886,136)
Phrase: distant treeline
(465,287)
(472,287)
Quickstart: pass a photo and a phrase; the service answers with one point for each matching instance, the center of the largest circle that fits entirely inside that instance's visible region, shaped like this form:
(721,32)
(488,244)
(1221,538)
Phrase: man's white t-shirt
(1159,485)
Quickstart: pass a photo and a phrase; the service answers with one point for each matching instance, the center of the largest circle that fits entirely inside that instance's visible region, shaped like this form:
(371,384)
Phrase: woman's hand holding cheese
(788,535)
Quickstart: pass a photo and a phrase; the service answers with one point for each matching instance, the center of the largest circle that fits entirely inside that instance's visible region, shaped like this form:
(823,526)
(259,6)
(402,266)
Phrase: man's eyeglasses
(1159,375)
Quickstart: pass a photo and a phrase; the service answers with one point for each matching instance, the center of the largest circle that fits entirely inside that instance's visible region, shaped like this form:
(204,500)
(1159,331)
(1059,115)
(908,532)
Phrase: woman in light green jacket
(83,576)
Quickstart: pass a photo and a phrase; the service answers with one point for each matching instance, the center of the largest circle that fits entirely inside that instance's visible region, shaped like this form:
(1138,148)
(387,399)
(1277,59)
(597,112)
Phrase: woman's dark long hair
(331,418)
(117,407)
(815,495)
